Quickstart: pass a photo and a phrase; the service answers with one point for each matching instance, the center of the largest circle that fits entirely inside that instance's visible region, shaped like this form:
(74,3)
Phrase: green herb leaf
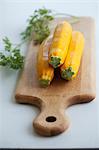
(7,43)
(38,26)
(13,59)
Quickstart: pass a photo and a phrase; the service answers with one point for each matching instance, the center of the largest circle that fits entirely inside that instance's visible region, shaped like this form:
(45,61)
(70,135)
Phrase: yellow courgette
(60,43)
(71,65)
(44,70)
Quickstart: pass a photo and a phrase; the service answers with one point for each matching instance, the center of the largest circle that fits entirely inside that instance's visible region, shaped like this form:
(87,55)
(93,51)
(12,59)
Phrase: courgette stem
(55,61)
(67,73)
(44,82)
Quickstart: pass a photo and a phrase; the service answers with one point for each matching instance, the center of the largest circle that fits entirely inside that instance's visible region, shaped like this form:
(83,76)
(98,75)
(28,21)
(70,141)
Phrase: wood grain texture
(54,99)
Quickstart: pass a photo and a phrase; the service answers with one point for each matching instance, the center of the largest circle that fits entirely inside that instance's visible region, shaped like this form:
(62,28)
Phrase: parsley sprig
(38,26)
(12,57)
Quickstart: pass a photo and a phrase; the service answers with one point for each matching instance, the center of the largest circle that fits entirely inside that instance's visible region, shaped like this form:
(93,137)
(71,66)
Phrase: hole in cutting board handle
(51,119)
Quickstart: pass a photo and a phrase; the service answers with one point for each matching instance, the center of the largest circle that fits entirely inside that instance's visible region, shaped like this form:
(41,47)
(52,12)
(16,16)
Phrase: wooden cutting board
(61,94)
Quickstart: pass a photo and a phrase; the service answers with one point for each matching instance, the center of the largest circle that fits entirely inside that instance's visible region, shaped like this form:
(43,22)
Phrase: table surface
(16,129)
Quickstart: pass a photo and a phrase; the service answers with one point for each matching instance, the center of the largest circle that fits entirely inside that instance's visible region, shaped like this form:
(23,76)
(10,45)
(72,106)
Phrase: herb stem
(63,14)
(74,19)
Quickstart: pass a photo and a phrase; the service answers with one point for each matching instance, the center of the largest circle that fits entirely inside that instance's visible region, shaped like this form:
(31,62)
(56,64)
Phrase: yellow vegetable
(60,43)
(44,70)
(71,65)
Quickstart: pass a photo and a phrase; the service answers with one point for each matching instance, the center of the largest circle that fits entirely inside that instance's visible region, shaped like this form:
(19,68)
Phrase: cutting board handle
(52,119)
